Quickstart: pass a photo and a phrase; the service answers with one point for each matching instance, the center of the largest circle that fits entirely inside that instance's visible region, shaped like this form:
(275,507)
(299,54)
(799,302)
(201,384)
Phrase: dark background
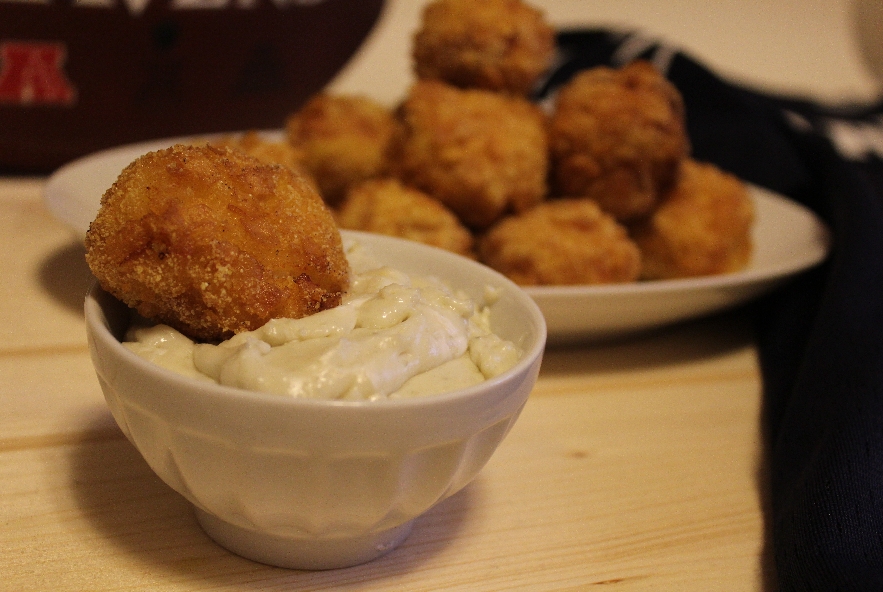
(170,71)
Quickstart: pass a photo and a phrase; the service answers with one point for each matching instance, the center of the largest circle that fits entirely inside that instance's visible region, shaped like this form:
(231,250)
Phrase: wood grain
(634,465)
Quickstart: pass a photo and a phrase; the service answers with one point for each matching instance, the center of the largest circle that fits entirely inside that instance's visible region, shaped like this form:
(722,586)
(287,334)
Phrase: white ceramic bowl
(317,484)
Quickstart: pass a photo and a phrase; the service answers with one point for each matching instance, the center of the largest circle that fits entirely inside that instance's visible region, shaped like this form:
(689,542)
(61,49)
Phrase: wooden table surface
(637,464)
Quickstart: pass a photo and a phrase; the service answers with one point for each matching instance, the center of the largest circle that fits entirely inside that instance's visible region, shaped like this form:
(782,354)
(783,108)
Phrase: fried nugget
(265,150)
(561,242)
(500,45)
(480,153)
(344,140)
(387,207)
(213,242)
(702,227)
(618,137)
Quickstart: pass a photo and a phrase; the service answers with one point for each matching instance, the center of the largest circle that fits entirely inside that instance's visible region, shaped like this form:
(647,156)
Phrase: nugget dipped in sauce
(561,242)
(213,242)
(343,140)
(499,45)
(481,153)
(702,227)
(618,137)
(386,206)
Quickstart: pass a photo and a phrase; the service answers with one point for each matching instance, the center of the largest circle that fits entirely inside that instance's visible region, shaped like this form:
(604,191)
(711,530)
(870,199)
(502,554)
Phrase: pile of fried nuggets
(597,188)
(600,190)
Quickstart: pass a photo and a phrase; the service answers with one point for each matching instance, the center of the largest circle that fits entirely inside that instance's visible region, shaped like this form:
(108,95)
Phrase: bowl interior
(514,315)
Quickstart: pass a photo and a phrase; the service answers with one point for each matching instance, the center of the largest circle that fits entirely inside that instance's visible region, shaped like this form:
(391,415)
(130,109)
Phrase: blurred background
(79,76)
(831,50)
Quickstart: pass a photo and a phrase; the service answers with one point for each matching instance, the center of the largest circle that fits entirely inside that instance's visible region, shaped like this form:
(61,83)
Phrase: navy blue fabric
(820,338)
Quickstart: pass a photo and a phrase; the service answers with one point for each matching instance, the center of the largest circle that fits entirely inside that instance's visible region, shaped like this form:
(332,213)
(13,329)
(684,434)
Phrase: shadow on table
(692,341)
(66,276)
(158,540)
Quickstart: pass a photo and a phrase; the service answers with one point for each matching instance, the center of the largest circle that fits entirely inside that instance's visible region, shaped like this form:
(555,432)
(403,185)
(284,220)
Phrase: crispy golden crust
(213,242)
(480,153)
(560,242)
(266,151)
(702,227)
(500,45)
(618,136)
(344,140)
(386,206)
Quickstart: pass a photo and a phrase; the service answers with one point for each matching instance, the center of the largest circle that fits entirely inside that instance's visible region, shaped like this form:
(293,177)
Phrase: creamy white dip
(394,335)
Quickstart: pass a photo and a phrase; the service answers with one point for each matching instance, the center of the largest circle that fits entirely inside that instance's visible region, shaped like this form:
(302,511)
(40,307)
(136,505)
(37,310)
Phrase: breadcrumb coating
(561,242)
(213,242)
(387,207)
(480,153)
(618,137)
(344,140)
(265,150)
(500,45)
(702,227)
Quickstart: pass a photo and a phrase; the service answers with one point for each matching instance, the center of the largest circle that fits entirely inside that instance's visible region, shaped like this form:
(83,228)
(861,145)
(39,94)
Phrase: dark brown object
(75,79)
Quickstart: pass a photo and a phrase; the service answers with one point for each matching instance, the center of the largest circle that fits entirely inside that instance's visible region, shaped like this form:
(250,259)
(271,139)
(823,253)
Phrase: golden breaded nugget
(265,150)
(386,206)
(480,153)
(618,137)
(213,242)
(344,140)
(702,227)
(561,242)
(500,45)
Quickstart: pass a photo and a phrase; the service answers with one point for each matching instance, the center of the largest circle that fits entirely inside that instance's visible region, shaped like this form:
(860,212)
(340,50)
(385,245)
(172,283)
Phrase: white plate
(73,192)
(788,239)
